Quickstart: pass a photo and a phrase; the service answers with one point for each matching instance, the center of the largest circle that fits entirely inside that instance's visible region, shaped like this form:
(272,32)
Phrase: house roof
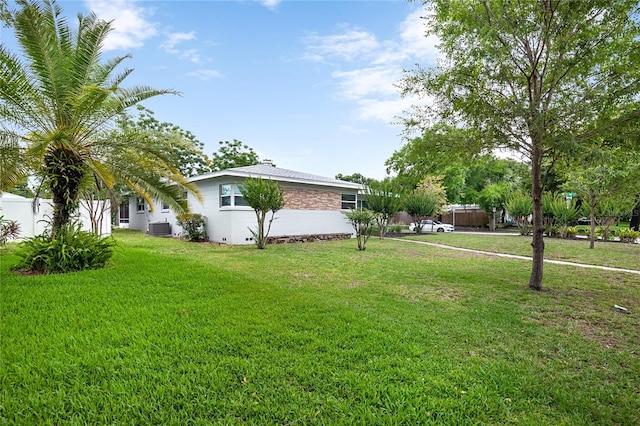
(267,170)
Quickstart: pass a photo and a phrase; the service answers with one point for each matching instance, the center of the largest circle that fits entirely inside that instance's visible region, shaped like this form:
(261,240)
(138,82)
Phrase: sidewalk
(513,256)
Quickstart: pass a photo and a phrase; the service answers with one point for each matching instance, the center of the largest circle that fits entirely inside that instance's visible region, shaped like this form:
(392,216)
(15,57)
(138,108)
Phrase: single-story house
(314,206)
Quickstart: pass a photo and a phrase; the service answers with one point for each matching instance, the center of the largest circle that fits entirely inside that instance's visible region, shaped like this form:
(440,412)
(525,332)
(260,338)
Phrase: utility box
(160,229)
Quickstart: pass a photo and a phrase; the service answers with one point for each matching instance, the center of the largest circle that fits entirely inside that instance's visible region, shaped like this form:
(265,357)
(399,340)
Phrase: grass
(613,254)
(320,333)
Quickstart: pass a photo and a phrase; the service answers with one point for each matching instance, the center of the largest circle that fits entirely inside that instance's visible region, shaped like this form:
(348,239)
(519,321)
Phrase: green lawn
(612,254)
(318,333)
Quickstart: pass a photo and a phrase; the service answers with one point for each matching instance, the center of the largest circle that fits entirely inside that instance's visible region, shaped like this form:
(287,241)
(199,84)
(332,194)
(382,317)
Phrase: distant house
(314,206)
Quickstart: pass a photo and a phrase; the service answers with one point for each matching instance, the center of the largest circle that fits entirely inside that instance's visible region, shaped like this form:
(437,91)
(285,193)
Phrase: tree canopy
(182,146)
(233,154)
(536,77)
(58,105)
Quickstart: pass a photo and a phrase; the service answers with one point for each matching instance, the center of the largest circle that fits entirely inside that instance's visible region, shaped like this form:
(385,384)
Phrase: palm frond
(12,162)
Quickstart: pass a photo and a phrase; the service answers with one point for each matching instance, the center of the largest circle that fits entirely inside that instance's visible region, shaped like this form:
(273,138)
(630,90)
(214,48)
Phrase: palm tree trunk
(65,171)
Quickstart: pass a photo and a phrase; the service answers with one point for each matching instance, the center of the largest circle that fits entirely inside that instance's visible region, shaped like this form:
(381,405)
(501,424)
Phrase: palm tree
(58,106)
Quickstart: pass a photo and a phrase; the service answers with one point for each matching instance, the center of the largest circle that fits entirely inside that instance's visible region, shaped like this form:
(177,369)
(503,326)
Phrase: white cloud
(271,4)
(382,109)
(130,27)
(348,46)
(174,39)
(205,74)
(192,55)
(415,43)
(361,83)
(368,68)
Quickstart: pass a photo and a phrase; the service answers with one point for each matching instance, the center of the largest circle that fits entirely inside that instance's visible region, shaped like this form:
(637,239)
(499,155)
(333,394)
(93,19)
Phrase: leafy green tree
(264,196)
(611,210)
(355,178)
(419,205)
(428,154)
(536,77)
(233,154)
(433,187)
(492,199)
(58,105)
(362,221)
(604,174)
(565,212)
(183,148)
(520,206)
(383,198)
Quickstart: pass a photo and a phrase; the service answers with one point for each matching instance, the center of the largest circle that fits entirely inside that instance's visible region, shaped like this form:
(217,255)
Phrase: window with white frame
(230,196)
(225,195)
(348,201)
(140,205)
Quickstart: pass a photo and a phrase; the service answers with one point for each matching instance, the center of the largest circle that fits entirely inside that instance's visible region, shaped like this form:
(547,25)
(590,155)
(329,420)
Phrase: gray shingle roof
(266,170)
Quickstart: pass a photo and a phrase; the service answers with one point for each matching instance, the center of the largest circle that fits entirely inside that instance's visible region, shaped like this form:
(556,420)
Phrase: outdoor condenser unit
(160,228)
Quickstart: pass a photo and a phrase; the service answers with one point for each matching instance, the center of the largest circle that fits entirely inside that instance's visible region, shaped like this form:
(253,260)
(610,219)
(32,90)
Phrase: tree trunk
(635,218)
(592,225)
(65,171)
(261,243)
(535,282)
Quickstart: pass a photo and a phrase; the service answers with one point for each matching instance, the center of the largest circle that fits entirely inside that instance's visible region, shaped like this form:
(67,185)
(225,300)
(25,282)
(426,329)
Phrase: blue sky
(307,84)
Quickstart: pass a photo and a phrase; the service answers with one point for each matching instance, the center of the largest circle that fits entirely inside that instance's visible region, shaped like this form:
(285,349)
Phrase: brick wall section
(311,199)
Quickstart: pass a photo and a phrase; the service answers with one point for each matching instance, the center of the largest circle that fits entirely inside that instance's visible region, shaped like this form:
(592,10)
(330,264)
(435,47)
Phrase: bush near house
(193,226)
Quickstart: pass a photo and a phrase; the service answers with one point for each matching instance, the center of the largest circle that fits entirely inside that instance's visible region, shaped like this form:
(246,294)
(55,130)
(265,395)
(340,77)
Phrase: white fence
(20,209)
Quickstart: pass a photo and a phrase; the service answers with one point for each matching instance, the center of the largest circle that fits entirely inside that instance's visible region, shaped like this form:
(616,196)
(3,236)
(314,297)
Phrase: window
(140,205)
(165,206)
(238,199)
(225,195)
(348,201)
(230,195)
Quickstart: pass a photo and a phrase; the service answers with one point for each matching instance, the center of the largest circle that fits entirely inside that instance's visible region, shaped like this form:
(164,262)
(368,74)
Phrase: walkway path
(514,256)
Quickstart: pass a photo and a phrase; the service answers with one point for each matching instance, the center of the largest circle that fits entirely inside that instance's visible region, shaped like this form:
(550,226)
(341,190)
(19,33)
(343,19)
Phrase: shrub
(627,235)
(551,230)
(396,229)
(520,206)
(9,229)
(192,226)
(599,231)
(419,206)
(264,196)
(71,250)
(362,221)
(383,199)
(568,231)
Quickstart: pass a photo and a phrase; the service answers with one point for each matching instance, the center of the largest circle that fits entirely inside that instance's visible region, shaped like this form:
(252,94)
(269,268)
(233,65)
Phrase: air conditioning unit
(160,228)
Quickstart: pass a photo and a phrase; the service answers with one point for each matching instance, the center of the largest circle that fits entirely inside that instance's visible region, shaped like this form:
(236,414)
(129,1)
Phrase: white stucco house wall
(314,206)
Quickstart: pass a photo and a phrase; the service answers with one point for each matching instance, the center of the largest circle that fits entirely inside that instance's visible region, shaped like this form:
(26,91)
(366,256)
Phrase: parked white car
(432,226)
